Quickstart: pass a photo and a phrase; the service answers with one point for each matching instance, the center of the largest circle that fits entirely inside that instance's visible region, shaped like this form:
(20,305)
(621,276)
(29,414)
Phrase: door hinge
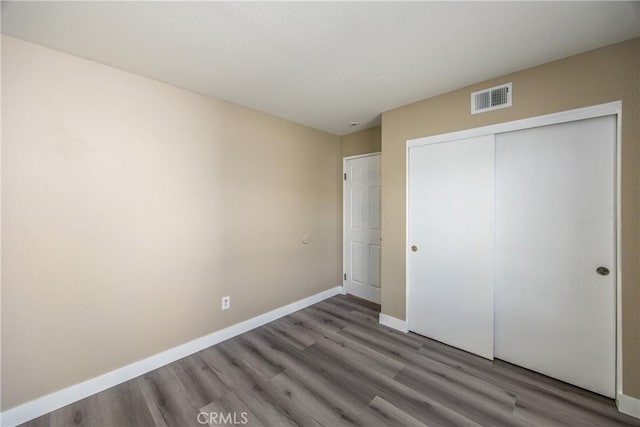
(345,276)
(345,176)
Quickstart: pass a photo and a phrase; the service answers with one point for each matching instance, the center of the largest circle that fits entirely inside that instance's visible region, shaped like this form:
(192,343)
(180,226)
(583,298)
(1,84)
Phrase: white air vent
(491,99)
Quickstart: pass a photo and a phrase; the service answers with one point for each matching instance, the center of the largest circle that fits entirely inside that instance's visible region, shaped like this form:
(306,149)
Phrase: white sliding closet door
(555,232)
(451,229)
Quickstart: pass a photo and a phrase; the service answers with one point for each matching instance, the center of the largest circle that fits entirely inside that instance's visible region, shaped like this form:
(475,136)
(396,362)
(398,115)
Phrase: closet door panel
(554,228)
(451,228)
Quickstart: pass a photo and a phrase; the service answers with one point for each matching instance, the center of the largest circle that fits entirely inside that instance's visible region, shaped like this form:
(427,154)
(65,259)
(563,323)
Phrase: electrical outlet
(226,302)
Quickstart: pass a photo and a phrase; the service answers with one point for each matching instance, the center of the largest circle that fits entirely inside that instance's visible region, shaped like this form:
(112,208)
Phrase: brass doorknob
(414,248)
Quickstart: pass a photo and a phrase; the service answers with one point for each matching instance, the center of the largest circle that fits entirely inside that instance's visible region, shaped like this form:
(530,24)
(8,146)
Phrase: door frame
(344,212)
(600,110)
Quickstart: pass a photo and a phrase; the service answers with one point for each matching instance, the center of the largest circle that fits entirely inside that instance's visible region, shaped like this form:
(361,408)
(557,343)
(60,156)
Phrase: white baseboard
(628,405)
(51,402)
(393,322)
(343,290)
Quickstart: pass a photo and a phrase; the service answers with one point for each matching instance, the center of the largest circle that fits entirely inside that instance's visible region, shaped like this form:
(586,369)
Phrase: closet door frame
(601,110)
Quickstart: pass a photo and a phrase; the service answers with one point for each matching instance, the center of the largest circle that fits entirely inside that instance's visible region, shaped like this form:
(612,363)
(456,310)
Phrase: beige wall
(130,207)
(363,142)
(596,77)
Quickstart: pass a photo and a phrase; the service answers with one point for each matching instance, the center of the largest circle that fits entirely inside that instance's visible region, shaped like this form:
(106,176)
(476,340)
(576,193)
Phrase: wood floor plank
(250,387)
(419,405)
(368,322)
(327,376)
(423,408)
(305,320)
(534,391)
(539,412)
(390,341)
(254,358)
(332,364)
(122,405)
(555,409)
(166,399)
(293,336)
(473,405)
(324,409)
(596,407)
(228,410)
(43,421)
(125,405)
(277,397)
(198,380)
(439,374)
(450,356)
(326,318)
(348,349)
(390,415)
(353,304)
(87,412)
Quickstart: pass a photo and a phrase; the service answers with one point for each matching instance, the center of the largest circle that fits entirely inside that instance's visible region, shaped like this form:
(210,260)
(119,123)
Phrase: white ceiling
(322,64)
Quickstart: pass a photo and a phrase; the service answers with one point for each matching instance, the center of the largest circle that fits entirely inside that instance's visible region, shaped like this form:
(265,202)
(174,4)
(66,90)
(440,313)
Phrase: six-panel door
(362,227)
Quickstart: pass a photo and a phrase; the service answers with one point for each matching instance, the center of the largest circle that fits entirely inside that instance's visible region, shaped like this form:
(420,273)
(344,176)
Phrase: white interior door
(451,228)
(362,236)
(554,228)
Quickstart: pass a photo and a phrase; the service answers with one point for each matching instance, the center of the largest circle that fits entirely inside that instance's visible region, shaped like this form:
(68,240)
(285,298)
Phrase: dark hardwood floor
(332,364)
